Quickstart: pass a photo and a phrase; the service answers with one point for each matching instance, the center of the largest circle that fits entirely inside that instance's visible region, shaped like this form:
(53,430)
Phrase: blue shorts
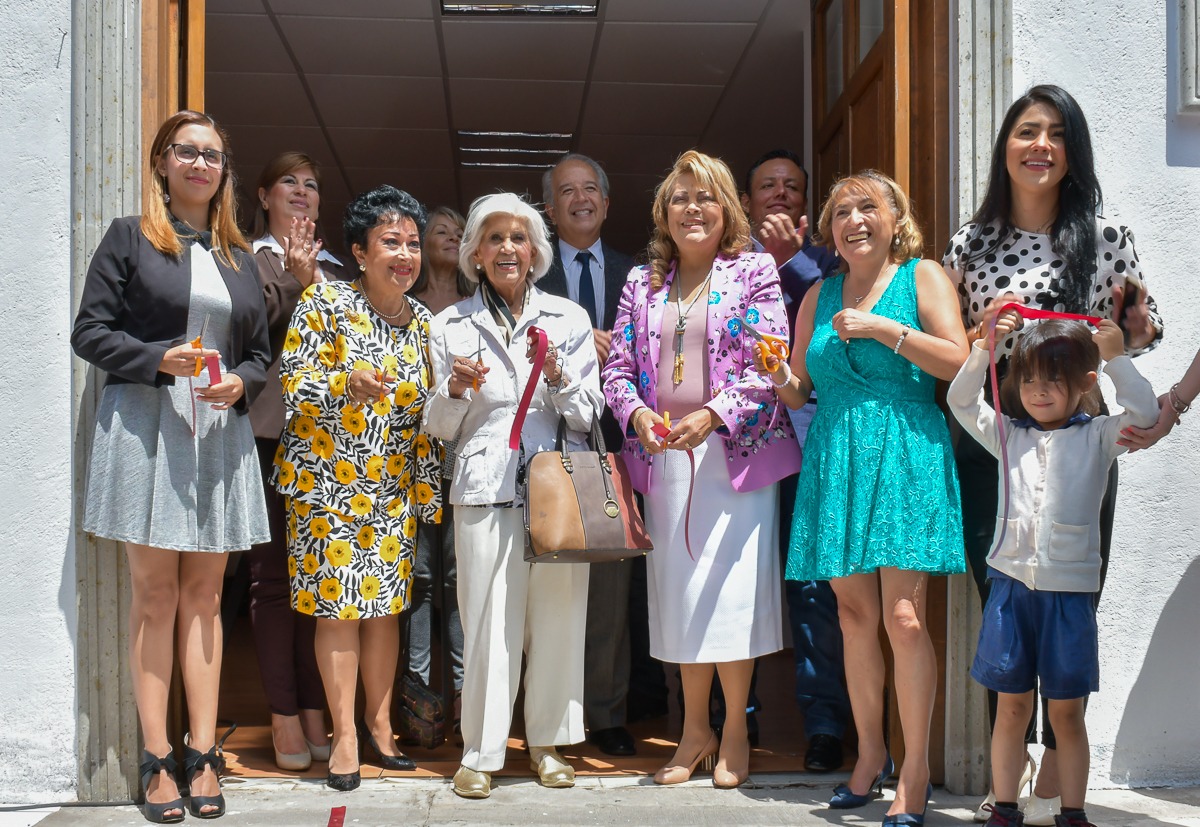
(1030,636)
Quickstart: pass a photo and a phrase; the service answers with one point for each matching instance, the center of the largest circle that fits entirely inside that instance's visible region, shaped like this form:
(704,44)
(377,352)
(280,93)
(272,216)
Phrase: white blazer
(485,471)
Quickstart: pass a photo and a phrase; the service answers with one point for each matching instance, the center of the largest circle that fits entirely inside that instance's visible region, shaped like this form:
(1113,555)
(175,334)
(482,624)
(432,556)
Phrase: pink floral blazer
(746,286)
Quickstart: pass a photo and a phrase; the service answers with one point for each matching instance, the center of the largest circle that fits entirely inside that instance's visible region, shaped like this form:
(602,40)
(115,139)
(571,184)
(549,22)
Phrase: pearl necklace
(362,288)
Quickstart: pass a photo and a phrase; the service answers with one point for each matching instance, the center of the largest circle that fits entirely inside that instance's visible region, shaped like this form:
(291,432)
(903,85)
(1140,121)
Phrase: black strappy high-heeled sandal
(150,767)
(194,763)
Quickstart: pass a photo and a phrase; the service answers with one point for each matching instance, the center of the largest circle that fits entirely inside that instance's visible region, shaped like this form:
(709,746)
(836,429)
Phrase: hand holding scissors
(772,350)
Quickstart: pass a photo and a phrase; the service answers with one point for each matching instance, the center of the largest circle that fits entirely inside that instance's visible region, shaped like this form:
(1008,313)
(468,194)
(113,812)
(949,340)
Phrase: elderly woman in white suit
(481,365)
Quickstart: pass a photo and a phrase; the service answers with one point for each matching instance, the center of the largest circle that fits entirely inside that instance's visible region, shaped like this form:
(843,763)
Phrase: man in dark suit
(776,201)
(592,274)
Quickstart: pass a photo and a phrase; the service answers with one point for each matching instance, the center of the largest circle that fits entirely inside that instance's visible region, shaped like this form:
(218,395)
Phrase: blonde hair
(906,243)
(713,175)
(222,209)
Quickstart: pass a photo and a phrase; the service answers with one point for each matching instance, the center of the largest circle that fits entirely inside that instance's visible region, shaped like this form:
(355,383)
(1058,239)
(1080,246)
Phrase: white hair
(504,203)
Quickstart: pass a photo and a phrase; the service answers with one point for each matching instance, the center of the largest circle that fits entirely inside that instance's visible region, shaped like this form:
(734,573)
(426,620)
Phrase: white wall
(1118,60)
(37,590)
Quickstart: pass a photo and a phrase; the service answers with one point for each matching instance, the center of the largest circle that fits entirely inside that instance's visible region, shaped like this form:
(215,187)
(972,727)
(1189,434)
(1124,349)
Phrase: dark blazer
(616,269)
(281,292)
(135,308)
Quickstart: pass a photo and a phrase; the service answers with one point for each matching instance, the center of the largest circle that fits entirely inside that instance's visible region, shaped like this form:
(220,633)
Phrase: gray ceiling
(379,90)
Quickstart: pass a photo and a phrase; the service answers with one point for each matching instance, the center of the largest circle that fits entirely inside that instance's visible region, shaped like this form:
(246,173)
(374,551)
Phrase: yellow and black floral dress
(355,477)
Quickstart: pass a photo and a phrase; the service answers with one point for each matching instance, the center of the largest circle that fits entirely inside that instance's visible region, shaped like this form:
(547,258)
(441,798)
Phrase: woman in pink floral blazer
(680,349)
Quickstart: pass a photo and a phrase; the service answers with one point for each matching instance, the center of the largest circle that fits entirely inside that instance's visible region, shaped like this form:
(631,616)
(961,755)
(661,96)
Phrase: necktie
(587,290)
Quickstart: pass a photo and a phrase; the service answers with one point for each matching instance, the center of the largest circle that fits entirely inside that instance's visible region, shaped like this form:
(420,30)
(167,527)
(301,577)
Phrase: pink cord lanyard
(1028,313)
(537,338)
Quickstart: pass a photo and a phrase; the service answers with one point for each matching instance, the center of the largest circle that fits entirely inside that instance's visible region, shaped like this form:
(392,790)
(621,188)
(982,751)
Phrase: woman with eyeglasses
(172,311)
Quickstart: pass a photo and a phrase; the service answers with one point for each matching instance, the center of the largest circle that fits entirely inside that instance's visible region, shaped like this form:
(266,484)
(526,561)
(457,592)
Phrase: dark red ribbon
(661,430)
(1028,313)
(537,338)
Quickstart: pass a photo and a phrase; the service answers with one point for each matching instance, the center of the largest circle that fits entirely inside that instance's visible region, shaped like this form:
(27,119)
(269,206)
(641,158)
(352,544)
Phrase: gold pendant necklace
(681,322)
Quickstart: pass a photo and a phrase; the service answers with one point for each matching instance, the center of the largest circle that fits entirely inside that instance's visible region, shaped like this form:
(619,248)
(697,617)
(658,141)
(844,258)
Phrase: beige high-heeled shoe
(706,759)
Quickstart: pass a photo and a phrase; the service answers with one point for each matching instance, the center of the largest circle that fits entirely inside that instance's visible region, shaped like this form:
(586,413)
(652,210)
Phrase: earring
(362,268)
(478,268)
(166,198)
(264,206)
(895,242)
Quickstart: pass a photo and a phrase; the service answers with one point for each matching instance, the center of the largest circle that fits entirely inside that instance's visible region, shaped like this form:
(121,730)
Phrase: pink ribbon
(538,338)
(1028,313)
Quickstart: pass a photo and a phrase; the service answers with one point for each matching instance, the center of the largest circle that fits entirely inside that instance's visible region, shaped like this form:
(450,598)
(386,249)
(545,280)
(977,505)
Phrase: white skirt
(724,605)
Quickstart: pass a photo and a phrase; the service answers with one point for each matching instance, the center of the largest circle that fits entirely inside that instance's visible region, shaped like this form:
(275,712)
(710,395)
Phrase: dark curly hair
(379,206)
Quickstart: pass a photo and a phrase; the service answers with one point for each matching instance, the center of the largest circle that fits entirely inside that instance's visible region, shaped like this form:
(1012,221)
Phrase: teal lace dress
(878,487)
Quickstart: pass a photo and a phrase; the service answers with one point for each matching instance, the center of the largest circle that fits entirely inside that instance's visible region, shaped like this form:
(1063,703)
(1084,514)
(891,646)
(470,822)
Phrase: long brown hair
(222,209)
(714,175)
(279,166)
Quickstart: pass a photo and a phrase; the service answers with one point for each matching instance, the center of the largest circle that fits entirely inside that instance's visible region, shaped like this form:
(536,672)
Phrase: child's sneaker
(1072,821)
(1004,817)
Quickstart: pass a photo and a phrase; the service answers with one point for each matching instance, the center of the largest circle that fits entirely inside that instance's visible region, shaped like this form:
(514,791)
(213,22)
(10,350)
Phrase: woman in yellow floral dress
(355,470)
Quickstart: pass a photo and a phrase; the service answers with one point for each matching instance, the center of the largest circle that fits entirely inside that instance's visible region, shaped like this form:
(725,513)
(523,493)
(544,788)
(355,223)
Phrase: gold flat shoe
(552,770)
(470,783)
(706,759)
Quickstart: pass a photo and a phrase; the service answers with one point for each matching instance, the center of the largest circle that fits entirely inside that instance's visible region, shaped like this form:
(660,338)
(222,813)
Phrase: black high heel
(392,762)
(150,767)
(194,762)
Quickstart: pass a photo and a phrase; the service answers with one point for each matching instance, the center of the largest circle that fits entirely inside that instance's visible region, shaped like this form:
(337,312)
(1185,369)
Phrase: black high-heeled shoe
(194,762)
(343,782)
(150,767)
(392,762)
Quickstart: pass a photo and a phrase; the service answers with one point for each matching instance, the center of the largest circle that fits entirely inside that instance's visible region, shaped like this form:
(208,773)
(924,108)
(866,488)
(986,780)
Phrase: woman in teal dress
(877,510)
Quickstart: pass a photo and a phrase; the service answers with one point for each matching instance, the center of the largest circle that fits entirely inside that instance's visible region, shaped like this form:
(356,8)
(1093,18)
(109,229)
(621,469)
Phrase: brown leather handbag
(579,505)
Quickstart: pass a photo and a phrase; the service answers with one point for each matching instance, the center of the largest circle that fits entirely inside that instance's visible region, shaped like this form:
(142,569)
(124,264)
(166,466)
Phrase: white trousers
(506,606)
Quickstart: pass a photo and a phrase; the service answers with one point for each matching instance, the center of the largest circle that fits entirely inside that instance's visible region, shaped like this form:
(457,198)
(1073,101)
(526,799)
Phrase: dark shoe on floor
(151,766)
(613,741)
(374,755)
(824,754)
(1004,817)
(1072,821)
(194,763)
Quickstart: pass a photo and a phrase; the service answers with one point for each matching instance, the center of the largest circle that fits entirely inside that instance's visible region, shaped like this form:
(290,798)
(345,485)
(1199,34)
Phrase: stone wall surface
(1120,62)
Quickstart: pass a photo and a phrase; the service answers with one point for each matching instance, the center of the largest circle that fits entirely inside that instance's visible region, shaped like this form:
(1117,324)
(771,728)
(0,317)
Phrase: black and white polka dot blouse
(1025,264)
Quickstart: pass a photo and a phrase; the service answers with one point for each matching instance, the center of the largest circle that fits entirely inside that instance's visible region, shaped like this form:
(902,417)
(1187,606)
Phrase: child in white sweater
(1039,624)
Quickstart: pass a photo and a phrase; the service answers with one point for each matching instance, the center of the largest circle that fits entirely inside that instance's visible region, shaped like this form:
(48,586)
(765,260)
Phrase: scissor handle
(770,346)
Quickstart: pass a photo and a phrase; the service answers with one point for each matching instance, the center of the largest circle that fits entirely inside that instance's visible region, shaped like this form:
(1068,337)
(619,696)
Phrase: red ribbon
(537,338)
(1028,313)
(660,429)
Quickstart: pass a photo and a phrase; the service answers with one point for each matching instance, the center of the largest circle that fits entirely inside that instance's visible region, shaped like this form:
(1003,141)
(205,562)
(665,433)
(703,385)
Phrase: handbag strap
(537,338)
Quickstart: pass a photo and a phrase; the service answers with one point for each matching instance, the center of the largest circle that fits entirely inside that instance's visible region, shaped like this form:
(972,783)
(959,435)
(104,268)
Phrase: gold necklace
(362,288)
(681,321)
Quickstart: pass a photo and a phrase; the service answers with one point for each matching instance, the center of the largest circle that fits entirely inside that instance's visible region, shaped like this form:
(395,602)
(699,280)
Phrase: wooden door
(172,62)
(882,101)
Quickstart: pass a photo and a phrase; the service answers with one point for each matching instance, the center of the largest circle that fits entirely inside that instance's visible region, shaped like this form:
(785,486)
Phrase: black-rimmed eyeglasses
(187,154)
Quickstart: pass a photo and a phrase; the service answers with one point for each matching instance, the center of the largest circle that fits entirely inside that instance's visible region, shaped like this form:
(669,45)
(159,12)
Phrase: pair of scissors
(767,344)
